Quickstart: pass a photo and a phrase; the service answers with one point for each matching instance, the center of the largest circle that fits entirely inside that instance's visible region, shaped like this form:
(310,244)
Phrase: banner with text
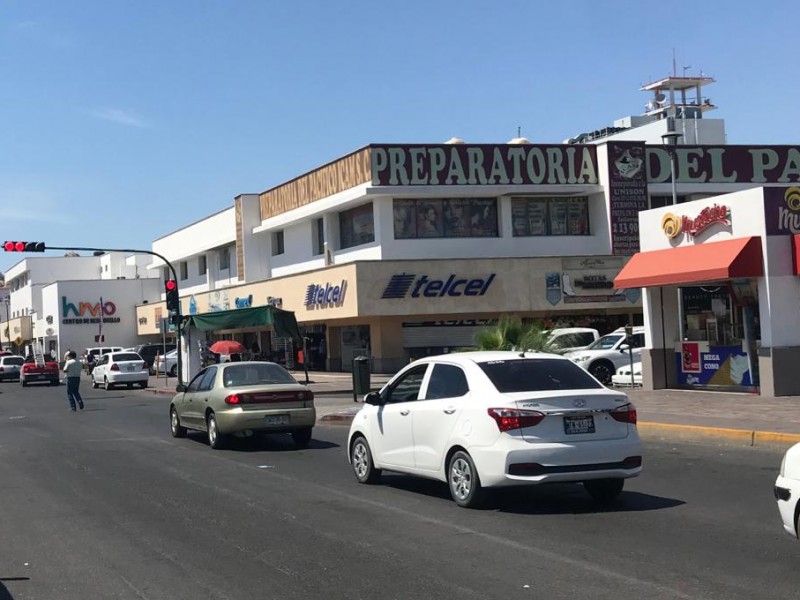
(627,195)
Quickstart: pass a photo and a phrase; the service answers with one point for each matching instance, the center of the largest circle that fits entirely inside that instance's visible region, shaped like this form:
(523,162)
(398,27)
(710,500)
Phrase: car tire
(130,386)
(23,383)
(173,372)
(144,385)
(95,385)
(106,385)
(464,481)
(361,459)
(302,437)
(215,439)
(604,490)
(603,371)
(178,430)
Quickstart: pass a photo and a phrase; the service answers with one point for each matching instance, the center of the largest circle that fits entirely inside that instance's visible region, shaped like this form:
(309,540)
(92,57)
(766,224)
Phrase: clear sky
(123,120)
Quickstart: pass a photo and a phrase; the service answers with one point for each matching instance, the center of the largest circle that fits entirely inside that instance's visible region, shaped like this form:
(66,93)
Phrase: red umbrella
(227,347)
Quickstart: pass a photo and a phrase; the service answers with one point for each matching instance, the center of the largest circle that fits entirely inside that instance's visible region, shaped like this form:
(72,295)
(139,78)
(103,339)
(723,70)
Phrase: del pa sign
(405,284)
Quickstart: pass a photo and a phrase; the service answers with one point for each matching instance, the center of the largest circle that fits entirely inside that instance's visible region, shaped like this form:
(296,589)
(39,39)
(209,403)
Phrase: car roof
(480,356)
(573,330)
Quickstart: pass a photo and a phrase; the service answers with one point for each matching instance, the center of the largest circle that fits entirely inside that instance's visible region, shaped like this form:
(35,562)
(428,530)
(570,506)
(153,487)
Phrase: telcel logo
(323,295)
(399,286)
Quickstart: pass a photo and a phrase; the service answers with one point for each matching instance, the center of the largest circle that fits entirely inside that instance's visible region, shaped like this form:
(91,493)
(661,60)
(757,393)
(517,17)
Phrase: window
(202,265)
(537,374)
(447,381)
(450,218)
(207,383)
(356,226)
(256,374)
(318,237)
(224,258)
(277,243)
(184,270)
(195,384)
(407,387)
(549,216)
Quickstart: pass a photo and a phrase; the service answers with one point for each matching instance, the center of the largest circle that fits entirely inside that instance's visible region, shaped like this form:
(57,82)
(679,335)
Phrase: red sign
(690,357)
(706,218)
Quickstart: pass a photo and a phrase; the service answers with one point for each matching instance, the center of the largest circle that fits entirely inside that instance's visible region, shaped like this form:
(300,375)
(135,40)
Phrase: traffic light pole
(174,277)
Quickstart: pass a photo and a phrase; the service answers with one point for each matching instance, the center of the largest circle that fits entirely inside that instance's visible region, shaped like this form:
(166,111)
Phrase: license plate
(277,419)
(576,425)
(131,367)
(40,377)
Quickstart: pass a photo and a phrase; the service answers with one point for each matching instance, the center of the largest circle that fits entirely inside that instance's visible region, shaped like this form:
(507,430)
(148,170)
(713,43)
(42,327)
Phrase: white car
(167,363)
(787,491)
(603,357)
(10,367)
(120,368)
(622,377)
(567,339)
(479,420)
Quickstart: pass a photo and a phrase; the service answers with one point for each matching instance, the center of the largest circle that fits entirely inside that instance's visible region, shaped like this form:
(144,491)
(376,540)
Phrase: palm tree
(510,333)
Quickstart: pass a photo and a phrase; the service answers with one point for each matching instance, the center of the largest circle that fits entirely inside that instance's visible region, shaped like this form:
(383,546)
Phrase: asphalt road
(104,504)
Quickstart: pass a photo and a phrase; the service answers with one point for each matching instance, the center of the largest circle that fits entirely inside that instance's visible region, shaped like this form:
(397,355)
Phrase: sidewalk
(746,418)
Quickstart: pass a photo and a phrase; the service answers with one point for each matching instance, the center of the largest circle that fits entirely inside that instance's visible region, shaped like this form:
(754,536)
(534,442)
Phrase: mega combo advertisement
(700,364)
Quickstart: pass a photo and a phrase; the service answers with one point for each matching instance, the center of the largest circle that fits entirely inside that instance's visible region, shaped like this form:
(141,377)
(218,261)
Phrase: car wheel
(173,372)
(215,439)
(361,459)
(302,437)
(144,385)
(130,386)
(464,482)
(178,430)
(23,383)
(95,385)
(602,370)
(604,490)
(106,385)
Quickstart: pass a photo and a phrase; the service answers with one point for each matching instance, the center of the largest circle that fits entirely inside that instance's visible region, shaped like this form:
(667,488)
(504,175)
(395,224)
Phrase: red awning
(731,259)
(796,254)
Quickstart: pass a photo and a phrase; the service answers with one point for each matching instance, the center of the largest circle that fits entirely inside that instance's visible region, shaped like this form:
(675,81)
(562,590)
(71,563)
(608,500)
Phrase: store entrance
(721,334)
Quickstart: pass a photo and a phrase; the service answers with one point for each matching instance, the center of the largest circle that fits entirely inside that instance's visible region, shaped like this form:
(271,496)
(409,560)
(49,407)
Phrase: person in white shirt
(73,370)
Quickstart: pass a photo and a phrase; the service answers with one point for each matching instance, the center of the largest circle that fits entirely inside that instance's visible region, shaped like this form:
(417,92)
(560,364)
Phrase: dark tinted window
(407,387)
(125,356)
(207,382)
(255,374)
(537,374)
(195,384)
(13,361)
(447,381)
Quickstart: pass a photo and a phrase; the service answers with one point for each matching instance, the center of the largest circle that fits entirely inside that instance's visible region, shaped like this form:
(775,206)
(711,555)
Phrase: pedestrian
(73,370)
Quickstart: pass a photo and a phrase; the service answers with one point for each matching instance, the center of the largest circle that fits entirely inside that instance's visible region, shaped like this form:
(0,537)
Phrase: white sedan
(120,368)
(167,363)
(478,420)
(787,491)
(622,377)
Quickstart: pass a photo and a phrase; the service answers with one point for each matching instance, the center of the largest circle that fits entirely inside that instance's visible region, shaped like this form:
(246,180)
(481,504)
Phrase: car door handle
(404,412)
(449,411)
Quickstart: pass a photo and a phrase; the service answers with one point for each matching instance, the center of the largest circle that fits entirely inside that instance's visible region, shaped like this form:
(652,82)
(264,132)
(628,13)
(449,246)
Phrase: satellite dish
(660,97)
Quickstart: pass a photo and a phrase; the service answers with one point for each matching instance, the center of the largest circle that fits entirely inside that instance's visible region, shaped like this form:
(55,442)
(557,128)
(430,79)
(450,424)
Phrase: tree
(510,333)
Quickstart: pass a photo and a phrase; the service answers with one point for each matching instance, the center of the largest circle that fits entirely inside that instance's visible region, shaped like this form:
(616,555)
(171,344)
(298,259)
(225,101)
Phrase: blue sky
(124,120)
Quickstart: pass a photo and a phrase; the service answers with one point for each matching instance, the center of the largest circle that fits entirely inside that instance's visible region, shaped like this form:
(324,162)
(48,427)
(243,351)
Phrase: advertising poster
(519,218)
(558,216)
(690,357)
(430,219)
(552,286)
(456,218)
(405,225)
(578,216)
(483,217)
(627,195)
(723,366)
(537,217)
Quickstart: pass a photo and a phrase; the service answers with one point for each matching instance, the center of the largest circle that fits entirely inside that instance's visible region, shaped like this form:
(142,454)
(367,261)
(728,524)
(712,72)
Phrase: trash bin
(361,377)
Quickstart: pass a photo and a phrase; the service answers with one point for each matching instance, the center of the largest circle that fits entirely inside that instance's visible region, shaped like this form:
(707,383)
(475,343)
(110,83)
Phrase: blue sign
(405,284)
(318,295)
(721,365)
(245,302)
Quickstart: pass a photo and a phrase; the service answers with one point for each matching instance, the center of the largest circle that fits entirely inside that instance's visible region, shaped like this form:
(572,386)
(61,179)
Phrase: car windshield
(536,375)
(125,356)
(255,374)
(606,342)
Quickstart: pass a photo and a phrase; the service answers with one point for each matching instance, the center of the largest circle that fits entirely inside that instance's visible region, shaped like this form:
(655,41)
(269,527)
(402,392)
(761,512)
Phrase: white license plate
(277,419)
(577,425)
(40,376)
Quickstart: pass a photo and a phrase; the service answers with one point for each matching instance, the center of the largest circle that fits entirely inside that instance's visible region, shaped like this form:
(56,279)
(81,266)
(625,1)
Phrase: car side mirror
(373,398)
(624,348)
(181,387)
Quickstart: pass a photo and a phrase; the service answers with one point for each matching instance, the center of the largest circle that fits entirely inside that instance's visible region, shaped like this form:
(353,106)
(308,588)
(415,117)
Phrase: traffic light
(173,300)
(9,246)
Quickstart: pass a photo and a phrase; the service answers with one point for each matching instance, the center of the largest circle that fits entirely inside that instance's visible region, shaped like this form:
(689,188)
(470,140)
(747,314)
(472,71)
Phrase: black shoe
(72,408)
(80,405)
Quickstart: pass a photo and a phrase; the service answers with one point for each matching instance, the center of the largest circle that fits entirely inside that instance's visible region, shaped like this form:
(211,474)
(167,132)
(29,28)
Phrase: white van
(89,358)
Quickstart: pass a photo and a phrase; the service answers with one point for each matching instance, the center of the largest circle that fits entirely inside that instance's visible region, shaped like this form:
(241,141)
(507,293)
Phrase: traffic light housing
(173,300)
(12,246)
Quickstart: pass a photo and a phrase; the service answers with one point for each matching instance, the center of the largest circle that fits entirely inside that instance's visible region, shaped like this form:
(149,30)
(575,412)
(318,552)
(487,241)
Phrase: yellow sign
(18,341)
(671,224)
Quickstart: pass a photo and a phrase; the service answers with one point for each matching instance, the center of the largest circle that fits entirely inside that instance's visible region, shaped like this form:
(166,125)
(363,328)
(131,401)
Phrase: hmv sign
(406,285)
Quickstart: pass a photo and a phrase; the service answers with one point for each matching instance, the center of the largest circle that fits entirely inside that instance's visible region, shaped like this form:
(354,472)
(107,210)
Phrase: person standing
(73,370)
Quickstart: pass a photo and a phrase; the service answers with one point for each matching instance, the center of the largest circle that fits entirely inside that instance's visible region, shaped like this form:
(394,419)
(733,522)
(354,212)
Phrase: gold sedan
(243,398)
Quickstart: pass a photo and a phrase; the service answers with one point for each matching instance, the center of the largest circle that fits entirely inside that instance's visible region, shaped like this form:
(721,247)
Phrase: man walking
(73,370)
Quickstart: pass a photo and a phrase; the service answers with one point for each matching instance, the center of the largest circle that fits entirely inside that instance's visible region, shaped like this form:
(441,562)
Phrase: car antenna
(522,354)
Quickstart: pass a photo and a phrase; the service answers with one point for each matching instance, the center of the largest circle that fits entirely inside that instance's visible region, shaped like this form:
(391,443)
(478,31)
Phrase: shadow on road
(4,593)
(272,442)
(548,499)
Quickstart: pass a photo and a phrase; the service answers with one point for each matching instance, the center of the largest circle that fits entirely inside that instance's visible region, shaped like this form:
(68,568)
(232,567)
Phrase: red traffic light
(170,285)
(10,246)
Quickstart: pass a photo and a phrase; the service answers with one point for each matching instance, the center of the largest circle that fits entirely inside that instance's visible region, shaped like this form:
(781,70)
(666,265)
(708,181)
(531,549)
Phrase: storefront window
(356,226)
(445,218)
(549,216)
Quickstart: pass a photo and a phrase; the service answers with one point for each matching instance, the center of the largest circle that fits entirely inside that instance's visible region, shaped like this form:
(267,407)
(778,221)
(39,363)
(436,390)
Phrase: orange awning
(796,254)
(731,259)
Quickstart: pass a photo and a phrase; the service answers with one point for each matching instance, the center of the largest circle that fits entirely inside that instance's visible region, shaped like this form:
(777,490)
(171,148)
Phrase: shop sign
(705,365)
(405,284)
(452,323)
(218,301)
(470,164)
(673,225)
(576,287)
(318,295)
(245,302)
(782,210)
(88,312)
(725,164)
(627,191)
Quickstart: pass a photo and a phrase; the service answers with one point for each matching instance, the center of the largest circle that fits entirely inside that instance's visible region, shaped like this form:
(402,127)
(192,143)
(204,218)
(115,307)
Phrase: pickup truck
(31,373)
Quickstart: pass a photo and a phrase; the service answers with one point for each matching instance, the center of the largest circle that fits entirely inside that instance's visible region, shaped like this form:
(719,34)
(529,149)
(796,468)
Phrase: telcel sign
(318,296)
(400,285)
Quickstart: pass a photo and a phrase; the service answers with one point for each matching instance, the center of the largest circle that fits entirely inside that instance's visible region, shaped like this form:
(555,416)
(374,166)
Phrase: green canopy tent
(283,321)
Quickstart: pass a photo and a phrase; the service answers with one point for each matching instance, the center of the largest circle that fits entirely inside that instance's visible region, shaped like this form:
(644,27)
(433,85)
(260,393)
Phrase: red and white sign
(674,225)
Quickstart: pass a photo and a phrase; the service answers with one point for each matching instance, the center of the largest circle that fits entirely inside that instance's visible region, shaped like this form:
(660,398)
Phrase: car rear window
(537,375)
(255,374)
(13,361)
(123,356)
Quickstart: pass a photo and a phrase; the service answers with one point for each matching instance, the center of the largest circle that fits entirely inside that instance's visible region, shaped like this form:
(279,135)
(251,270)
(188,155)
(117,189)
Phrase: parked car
(149,352)
(243,398)
(622,377)
(10,366)
(787,491)
(567,339)
(91,355)
(603,357)
(45,373)
(120,368)
(479,420)
(167,363)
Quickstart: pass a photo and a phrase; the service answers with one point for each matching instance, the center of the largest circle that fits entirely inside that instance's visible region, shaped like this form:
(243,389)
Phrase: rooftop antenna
(686,69)
(519,132)
(674,64)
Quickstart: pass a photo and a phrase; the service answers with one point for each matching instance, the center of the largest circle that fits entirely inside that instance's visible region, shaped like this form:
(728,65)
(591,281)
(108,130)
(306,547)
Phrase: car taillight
(115,367)
(625,414)
(508,419)
(235,398)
